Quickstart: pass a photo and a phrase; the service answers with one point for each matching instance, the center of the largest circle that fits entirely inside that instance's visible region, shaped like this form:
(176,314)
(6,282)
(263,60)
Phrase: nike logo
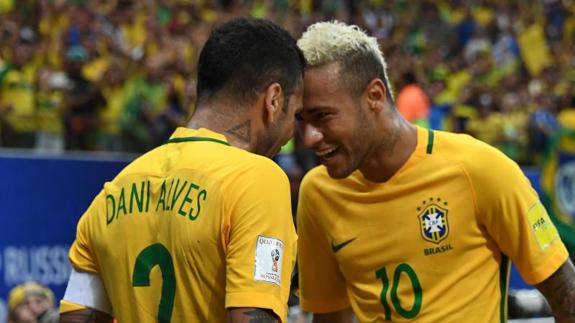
(337,247)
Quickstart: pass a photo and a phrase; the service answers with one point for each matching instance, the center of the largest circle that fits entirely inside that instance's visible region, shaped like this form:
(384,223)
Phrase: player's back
(158,232)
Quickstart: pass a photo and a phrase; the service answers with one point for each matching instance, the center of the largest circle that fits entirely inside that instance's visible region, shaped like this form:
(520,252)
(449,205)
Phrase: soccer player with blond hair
(402,223)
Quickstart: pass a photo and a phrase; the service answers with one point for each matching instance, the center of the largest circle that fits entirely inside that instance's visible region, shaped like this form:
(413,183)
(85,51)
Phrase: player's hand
(247,314)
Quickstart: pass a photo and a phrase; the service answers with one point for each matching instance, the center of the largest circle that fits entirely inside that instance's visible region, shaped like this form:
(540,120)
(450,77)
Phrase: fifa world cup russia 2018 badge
(268,260)
(275,258)
(433,220)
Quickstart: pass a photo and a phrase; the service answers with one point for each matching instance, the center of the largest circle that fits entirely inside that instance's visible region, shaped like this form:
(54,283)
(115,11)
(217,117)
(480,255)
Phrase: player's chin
(337,164)
(337,171)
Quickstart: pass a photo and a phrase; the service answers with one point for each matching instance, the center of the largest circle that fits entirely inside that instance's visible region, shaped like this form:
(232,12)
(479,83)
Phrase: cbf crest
(433,220)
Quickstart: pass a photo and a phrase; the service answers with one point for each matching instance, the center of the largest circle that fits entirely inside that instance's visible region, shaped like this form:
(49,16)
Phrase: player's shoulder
(256,165)
(466,149)
(479,159)
(219,160)
(240,166)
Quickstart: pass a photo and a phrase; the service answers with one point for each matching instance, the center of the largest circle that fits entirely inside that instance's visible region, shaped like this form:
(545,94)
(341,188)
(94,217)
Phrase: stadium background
(85,86)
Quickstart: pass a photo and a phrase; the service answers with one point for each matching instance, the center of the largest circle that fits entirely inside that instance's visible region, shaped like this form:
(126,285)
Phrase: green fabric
(141,95)
(164,15)
(4,71)
(190,139)
(503,284)
(288,148)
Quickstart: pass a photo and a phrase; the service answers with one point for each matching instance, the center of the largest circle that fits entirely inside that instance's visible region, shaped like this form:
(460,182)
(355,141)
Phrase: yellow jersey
(189,229)
(431,244)
(17,94)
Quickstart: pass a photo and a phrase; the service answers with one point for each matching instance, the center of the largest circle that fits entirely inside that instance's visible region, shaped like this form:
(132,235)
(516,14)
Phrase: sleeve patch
(541,226)
(269,259)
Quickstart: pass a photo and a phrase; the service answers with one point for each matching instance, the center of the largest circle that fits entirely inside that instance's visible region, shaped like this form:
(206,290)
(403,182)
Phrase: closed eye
(322,115)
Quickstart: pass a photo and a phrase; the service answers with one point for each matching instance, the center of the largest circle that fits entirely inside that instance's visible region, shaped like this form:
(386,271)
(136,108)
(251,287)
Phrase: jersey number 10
(417,293)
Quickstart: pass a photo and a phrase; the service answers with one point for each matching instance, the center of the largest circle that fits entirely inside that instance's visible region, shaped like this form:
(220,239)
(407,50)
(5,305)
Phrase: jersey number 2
(157,254)
(417,292)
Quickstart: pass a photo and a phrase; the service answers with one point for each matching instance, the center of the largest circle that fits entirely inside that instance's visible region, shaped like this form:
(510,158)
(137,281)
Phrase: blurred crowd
(118,75)
(31,302)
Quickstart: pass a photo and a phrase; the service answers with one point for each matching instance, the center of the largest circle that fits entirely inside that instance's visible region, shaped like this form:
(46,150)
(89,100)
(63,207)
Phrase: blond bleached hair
(329,42)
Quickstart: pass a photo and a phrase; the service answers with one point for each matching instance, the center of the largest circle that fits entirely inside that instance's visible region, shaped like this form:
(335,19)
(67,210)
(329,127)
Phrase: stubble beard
(358,148)
(268,142)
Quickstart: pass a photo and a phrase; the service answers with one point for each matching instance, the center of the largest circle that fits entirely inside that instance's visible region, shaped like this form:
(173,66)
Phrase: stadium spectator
(402,222)
(413,102)
(49,101)
(31,302)
(486,124)
(212,214)
(114,89)
(514,136)
(83,101)
(145,103)
(474,44)
(542,125)
(17,79)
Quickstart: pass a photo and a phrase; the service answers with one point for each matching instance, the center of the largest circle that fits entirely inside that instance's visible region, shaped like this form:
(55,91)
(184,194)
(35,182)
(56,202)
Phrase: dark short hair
(244,56)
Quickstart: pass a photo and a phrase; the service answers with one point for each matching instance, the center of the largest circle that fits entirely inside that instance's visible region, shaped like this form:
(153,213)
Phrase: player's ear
(273,99)
(376,94)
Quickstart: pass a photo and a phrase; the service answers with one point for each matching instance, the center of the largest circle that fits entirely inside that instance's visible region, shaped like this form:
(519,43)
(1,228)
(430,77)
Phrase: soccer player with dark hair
(200,228)
(402,223)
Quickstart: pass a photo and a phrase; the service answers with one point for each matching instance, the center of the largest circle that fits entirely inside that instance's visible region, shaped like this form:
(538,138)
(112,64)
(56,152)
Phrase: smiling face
(335,123)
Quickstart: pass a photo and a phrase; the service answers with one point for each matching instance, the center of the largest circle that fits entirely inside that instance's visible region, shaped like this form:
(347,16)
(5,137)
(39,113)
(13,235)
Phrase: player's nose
(311,136)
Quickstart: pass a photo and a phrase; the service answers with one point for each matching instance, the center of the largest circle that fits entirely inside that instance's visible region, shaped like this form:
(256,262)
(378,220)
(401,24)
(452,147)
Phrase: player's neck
(237,132)
(397,145)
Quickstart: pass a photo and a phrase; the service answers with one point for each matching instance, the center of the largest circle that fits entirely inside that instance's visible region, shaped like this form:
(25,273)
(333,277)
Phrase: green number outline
(415,284)
(382,274)
(157,254)
(418,294)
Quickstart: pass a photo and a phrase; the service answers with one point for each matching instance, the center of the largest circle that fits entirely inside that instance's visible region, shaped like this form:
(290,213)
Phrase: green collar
(430,142)
(186,139)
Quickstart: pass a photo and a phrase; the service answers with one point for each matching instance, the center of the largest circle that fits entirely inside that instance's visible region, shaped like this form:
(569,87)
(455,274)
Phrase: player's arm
(85,300)
(343,316)
(516,219)
(559,289)
(87,315)
(251,315)
(260,246)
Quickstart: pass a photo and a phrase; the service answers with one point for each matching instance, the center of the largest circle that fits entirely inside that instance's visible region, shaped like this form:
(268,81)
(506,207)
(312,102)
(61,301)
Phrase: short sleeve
(322,286)
(82,254)
(514,217)
(260,253)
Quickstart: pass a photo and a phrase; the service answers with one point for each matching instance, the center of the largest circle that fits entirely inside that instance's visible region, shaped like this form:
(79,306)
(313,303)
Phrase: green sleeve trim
(503,281)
